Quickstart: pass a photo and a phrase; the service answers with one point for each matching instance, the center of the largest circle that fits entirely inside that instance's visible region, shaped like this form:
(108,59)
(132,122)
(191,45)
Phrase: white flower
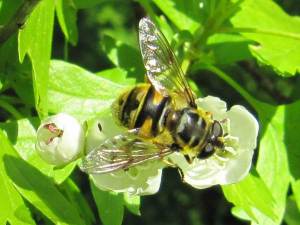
(60,139)
(232,166)
(240,143)
(139,180)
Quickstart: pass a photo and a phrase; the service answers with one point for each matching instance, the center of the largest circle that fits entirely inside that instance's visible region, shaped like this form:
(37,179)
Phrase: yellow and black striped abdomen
(143,107)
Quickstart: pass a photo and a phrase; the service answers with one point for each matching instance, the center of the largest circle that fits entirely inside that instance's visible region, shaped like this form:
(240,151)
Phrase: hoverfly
(161,116)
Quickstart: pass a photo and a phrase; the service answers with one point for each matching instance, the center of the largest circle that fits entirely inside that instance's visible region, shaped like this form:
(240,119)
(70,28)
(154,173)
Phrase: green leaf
(20,77)
(251,193)
(79,92)
(77,199)
(277,34)
(116,75)
(296,191)
(124,56)
(272,164)
(22,135)
(227,49)
(184,16)
(133,203)
(12,207)
(240,213)
(110,206)
(39,190)
(35,40)
(291,137)
(67,17)
(292,213)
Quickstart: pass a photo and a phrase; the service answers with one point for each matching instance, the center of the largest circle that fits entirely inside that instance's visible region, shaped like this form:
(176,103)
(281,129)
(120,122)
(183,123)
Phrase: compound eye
(207,151)
(217,130)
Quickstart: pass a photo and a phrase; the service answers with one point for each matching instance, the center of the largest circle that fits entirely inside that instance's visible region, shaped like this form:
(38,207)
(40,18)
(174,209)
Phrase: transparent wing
(163,69)
(122,152)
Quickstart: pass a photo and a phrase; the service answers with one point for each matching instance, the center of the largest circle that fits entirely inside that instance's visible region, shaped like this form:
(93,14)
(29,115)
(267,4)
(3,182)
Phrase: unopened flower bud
(60,139)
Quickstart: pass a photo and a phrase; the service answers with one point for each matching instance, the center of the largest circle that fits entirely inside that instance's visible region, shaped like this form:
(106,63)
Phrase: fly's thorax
(144,108)
(190,129)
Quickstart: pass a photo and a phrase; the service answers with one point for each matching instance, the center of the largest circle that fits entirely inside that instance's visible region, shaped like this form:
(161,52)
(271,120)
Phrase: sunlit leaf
(296,191)
(12,207)
(110,206)
(36,41)
(116,75)
(272,164)
(79,92)
(277,34)
(184,16)
(132,203)
(258,196)
(227,49)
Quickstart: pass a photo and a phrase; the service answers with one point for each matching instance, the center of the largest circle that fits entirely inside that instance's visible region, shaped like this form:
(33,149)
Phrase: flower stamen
(54,132)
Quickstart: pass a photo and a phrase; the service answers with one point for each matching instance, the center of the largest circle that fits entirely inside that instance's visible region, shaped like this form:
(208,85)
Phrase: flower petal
(100,130)
(244,126)
(139,180)
(214,105)
(136,181)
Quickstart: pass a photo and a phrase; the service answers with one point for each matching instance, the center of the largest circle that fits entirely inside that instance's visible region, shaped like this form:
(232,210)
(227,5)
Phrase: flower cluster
(61,138)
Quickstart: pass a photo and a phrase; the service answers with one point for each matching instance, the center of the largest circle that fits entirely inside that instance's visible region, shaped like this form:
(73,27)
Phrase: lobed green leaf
(36,41)
(277,34)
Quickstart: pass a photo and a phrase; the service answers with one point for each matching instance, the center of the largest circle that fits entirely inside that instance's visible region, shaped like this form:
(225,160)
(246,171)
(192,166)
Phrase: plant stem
(18,20)
(253,102)
(9,108)
(10,99)
(185,65)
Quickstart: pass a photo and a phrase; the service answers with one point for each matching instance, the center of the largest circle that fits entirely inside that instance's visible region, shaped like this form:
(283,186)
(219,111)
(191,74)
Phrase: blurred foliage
(246,52)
